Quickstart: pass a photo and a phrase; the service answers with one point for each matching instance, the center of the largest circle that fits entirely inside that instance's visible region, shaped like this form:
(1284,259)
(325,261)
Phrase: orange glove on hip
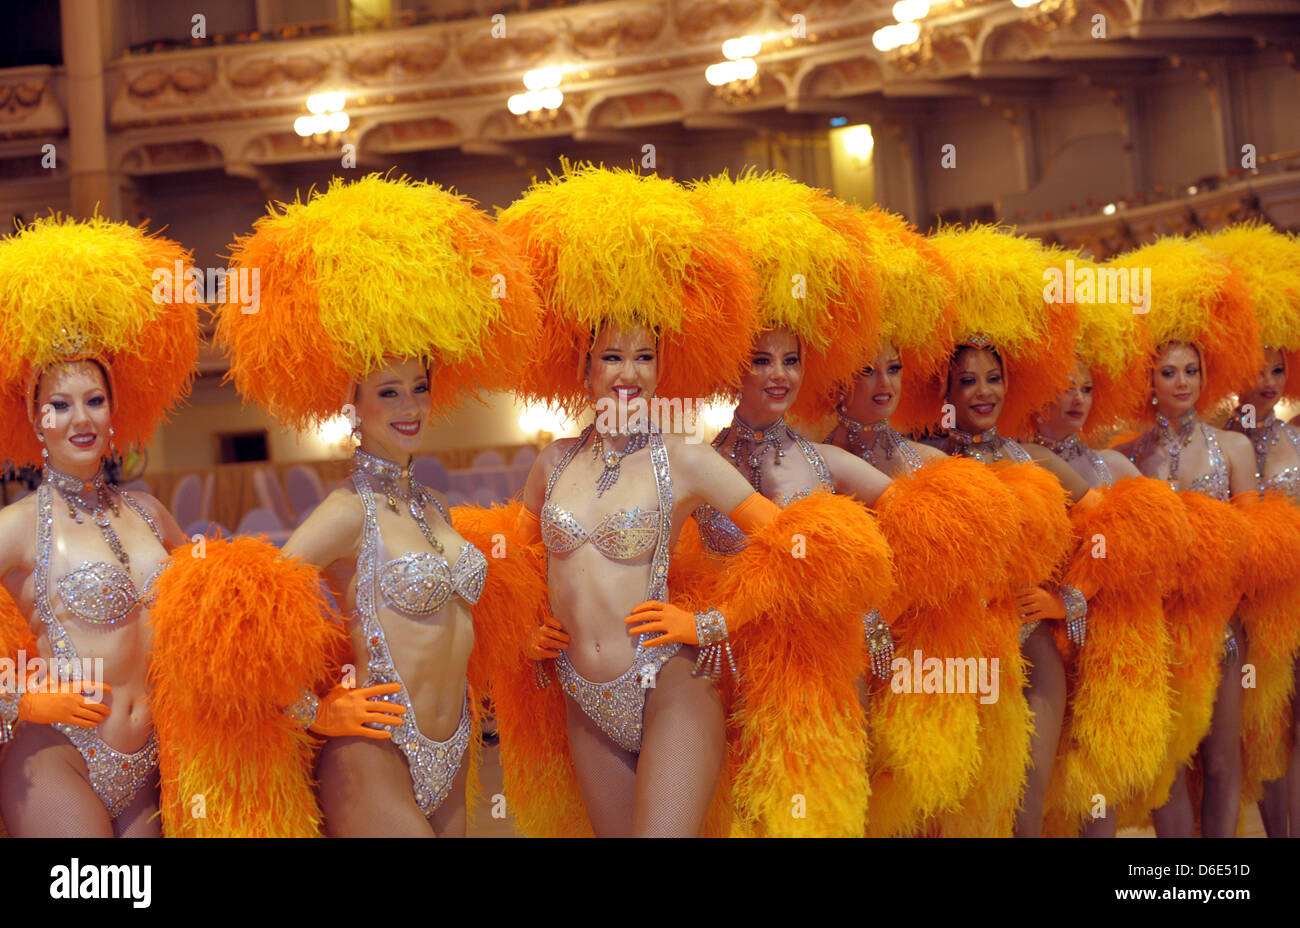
(346,712)
(67,707)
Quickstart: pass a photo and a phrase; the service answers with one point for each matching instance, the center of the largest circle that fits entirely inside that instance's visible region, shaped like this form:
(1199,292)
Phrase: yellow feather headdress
(71,290)
(1109,340)
(1268,263)
(917,291)
(1001,299)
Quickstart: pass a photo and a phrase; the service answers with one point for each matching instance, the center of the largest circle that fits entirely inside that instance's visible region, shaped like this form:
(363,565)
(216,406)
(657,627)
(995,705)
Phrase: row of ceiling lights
(542,92)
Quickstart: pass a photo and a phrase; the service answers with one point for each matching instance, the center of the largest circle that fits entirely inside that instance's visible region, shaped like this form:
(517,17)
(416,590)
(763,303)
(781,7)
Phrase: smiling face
(1067,415)
(1268,385)
(976,388)
(1176,378)
(771,384)
(393,404)
(623,365)
(878,388)
(74,412)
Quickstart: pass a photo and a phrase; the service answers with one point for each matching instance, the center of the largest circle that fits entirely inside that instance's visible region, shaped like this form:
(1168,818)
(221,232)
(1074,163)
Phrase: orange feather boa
(238,632)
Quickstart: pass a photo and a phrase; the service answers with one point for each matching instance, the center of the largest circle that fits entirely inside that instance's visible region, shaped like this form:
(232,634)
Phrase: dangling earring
(356,430)
(45,452)
(112,445)
(1154,401)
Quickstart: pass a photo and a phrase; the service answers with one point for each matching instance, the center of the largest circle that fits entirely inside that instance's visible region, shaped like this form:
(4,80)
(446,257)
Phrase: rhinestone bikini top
(99,592)
(620,536)
(1287,480)
(722,536)
(421,582)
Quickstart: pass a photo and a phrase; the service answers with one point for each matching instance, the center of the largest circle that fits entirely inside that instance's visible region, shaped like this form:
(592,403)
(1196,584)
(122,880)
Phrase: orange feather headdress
(917,291)
(373,270)
(1195,296)
(611,247)
(93,290)
(1002,302)
(1268,263)
(816,276)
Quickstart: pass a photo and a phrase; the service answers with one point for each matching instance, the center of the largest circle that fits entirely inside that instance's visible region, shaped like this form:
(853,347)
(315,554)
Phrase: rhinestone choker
(752,444)
(857,445)
(70,490)
(1068,448)
(613,458)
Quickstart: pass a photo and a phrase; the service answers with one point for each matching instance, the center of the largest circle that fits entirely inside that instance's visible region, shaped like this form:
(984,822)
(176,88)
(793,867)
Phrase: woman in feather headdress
(387,300)
(1269,265)
(1127,546)
(89,358)
(1206,342)
(818,313)
(1011,354)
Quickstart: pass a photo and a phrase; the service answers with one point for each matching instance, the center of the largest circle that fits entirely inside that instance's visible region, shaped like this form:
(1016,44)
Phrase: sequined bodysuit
(100,594)
(415,584)
(618,706)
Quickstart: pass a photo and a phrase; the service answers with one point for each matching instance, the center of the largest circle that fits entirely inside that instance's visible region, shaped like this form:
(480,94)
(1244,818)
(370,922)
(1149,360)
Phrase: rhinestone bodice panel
(1216,483)
(420,582)
(620,536)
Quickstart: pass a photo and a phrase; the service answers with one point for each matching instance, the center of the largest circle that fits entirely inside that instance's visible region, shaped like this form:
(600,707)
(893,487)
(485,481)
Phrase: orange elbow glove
(528,526)
(1067,603)
(547,640)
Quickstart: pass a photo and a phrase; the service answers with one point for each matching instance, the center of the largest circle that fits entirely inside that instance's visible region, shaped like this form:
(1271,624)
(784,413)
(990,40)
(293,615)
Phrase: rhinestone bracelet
(8,715)
(1231,650)
(711,629)
(880,643)
(1076,614)
(304,710)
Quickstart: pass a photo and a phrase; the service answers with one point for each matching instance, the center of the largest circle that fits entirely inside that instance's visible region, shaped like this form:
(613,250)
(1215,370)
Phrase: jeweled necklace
(983,446)
(1068,448)
(397,485)
(753,444)
(854,429)
(614,458)
(1264,436)
(70,489)
(1177,442)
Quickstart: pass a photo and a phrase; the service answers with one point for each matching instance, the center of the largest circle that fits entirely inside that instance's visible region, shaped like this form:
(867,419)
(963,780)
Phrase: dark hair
(956,356)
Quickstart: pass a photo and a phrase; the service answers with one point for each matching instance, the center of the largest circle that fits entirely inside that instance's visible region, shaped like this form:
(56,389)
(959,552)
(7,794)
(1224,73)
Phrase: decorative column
(91,184)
